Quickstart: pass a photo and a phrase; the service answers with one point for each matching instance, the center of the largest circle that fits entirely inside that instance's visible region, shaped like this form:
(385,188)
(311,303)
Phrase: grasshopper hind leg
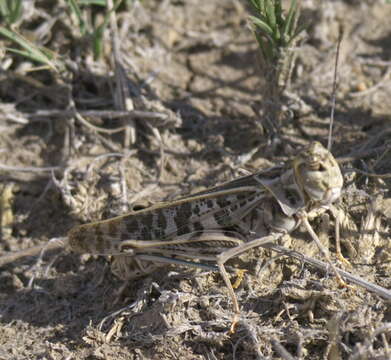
(130,268)
(222,258)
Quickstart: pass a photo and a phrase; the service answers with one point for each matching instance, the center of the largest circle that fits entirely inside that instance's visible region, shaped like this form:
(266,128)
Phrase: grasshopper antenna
(340,36)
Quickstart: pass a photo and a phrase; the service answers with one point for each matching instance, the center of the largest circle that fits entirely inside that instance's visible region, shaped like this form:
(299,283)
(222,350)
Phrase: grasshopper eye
(322,168)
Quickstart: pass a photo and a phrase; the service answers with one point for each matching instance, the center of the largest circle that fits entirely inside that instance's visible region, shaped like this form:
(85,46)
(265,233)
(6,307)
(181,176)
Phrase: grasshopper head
(317,174)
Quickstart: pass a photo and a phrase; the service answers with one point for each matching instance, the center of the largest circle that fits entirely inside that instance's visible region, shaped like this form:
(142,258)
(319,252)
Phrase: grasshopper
(217,224)
(207,229)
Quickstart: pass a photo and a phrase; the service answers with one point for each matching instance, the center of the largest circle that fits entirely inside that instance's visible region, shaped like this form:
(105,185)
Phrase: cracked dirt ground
(197,60)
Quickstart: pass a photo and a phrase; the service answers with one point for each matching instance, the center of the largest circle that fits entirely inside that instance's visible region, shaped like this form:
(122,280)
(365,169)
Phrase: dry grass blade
(123,98)
(329,141)
(32,169)
(379,290)
(53,244)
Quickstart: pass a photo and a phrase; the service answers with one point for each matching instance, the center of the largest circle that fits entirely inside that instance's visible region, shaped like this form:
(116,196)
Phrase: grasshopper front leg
(304,220)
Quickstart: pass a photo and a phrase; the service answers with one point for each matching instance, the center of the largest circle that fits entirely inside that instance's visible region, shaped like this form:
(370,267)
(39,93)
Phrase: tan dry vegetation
(192,65)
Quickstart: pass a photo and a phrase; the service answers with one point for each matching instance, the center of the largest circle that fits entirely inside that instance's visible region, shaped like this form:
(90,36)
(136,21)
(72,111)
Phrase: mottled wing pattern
(166,221)
(247,181)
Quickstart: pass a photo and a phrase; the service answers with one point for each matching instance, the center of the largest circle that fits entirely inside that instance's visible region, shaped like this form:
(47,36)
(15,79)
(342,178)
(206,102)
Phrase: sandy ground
(196,62)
